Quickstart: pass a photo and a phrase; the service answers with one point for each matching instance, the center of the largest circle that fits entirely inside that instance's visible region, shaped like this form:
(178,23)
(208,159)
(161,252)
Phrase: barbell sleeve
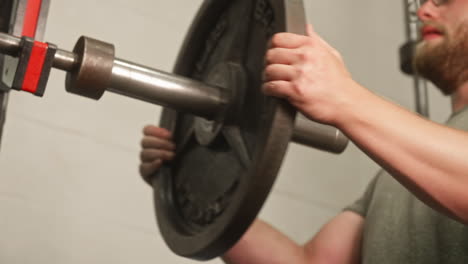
(167,89)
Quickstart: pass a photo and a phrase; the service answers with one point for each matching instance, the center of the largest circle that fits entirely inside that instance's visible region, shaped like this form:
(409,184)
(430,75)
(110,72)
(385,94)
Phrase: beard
(445,63)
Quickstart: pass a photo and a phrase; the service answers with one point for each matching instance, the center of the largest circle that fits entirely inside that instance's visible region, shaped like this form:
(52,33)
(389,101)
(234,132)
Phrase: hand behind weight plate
(157,147)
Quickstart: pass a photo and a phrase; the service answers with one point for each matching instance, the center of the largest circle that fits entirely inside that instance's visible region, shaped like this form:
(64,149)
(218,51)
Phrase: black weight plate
(211,193)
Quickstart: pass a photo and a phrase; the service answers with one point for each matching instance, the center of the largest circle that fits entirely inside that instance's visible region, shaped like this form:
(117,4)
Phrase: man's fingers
(147,169)
(294,41)
(149,155)
(279,72)
(282,56)
(310,30)
(288,40)
(155,131)
(157,143)
(282,89)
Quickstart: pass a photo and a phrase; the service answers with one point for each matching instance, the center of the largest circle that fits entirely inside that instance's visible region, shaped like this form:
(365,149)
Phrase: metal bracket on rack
(20,18)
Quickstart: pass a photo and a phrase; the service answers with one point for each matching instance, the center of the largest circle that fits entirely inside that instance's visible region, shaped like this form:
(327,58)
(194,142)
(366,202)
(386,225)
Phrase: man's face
(442,54)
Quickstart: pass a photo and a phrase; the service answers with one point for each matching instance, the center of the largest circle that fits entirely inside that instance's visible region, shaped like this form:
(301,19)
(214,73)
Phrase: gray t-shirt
(401,229)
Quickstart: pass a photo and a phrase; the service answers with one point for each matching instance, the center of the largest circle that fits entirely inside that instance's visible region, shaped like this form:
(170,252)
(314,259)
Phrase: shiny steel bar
(157,87)
(9,45)
(65,60)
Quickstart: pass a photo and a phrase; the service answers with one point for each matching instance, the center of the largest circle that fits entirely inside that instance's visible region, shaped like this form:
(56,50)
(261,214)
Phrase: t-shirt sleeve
(361,205)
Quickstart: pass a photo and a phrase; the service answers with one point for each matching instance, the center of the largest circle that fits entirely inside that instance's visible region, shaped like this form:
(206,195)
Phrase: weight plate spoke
(185,135)
(237,143)
(224,171)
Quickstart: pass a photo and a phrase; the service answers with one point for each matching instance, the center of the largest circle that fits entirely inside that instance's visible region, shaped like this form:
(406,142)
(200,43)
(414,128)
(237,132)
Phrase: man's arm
(429,159)
(338,242)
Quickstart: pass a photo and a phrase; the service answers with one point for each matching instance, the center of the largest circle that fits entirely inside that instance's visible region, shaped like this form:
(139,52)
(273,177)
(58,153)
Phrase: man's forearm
(263,244)
(429,159)
(337,242)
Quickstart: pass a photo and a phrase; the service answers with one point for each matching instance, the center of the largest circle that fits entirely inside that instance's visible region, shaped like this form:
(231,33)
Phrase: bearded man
(416,209)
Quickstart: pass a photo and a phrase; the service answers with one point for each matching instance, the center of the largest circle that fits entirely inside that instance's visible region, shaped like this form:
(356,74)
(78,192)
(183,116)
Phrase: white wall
(69,187)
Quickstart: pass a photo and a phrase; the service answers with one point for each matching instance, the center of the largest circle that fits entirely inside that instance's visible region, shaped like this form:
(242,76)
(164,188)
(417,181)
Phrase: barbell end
(319,136)
(341,142)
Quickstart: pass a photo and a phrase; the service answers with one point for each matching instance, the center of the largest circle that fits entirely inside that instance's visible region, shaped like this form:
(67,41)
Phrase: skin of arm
(338,242)
(429,159)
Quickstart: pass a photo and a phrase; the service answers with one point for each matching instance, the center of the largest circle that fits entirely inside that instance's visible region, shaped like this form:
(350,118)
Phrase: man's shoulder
(459,120)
